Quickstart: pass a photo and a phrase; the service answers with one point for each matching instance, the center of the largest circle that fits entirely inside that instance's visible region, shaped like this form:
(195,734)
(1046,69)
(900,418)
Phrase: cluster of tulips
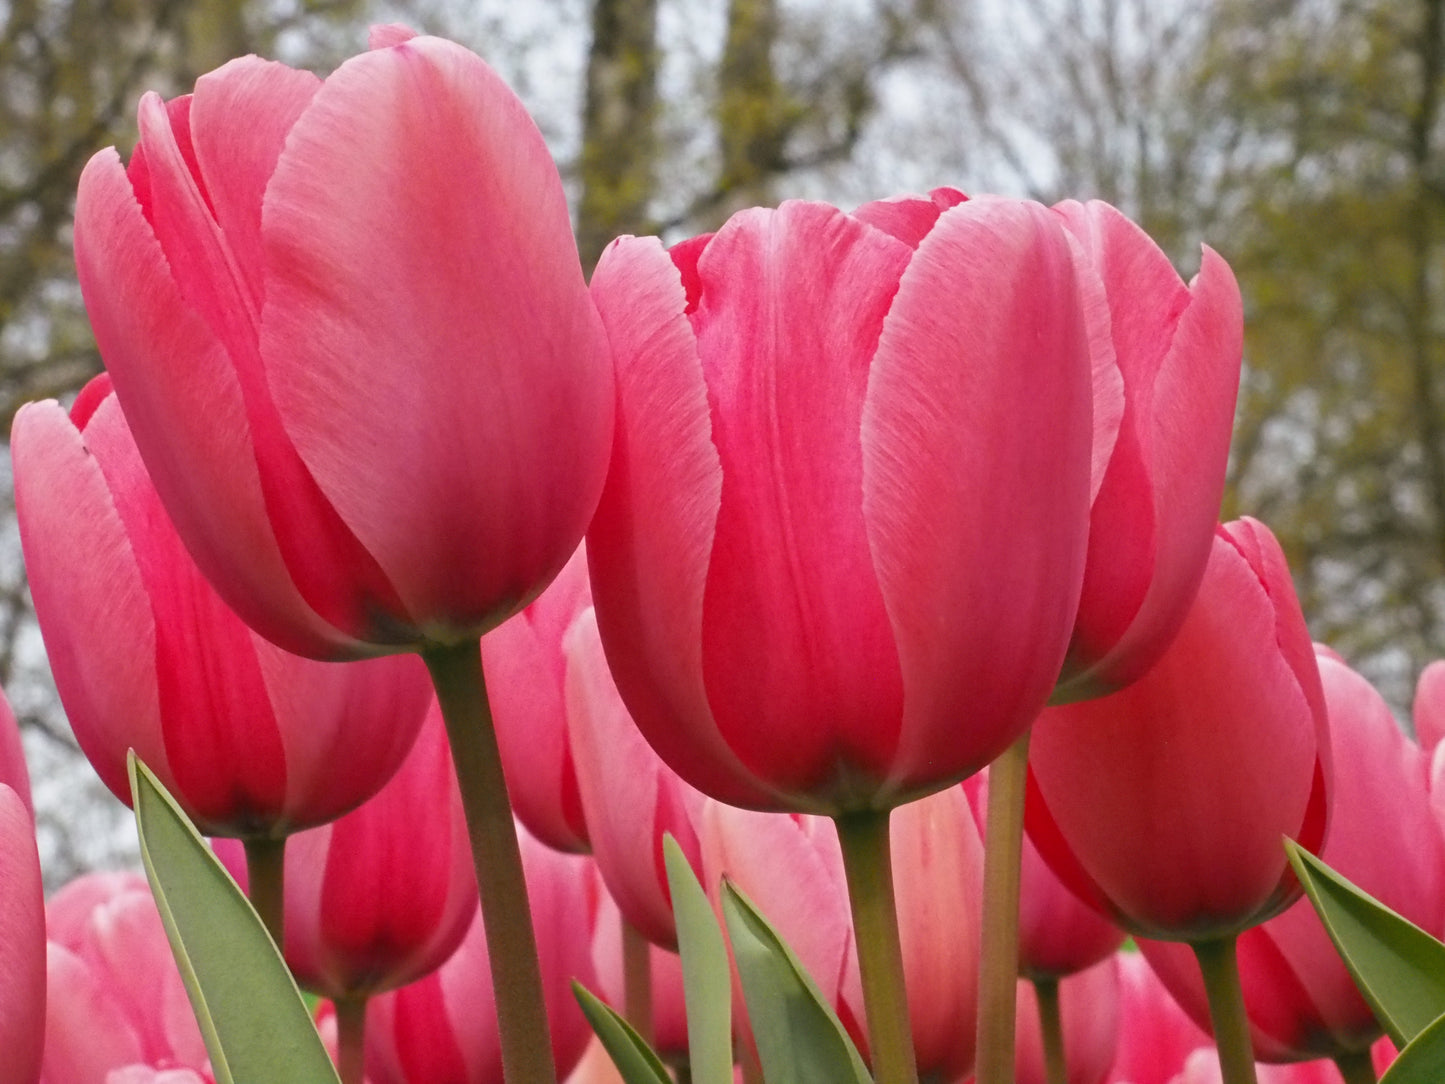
(899,524)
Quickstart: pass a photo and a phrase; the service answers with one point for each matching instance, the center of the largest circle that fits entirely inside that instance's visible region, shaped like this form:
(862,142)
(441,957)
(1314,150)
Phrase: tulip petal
(427,334)
(649,545)
(801,669)
(976,438)
(909,218)
(22,943)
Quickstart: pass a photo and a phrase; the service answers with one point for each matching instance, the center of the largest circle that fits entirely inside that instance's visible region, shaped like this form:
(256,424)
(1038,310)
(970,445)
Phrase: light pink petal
(22,944)
(801,669)
(427,333)
(13,772)
(86,1030)
(976,439)
(650,543)
(1429,707)
(385,35)
(182,394)
(89,597)
(909,218)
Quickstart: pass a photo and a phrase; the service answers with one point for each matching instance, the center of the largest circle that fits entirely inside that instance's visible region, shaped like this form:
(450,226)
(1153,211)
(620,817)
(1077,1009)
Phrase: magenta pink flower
(838,557)
(1178,349)
(1163,805)
(348,325)
(22,939)
(1156,1036)
(146,656)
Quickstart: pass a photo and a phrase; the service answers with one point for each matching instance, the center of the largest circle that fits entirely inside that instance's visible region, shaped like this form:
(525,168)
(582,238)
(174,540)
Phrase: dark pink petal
(22,943)
(909,218)
(427,333)
(801,669)
(976,440)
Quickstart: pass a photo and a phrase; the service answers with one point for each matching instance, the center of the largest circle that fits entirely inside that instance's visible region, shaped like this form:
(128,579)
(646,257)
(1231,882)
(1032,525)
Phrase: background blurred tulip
(666,1027)
(251,740)
(1156,1036)
(385,894)
(377,405)
(443,1027)
(1178,349)
(115,996)
(1164,804)
(22,936)
(1302,1002)
(840,548)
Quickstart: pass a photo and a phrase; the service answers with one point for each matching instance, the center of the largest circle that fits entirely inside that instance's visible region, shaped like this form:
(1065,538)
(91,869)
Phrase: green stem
(1051,1028)
(456,672)
(1220,968)
(266,883)
(999,960)
(1357,1067)
(637,981)
(351,1039)
(869,869)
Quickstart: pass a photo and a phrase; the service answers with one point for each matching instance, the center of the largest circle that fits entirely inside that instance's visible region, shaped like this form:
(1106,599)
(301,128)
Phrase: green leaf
(252,1018)
(800,1039)
(706,982)
(1423,1059)
(1399,968)
(634,1059)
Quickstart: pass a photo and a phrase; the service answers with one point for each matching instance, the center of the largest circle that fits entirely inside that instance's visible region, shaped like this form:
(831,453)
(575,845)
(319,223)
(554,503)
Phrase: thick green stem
(1051,1029)
(351,1039)
(637,980)
(1218,964)
(999,962)
(456,672)
(1357,1067)
(266,883)
(869,869)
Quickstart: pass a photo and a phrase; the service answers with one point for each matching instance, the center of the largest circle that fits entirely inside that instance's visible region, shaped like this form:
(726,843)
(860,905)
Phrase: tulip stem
(1220,967)
(999,960)
(351,1039)
(266,883)
(868,867)
(1051,1029)
(1357,1067)
(637,981)
(456,672)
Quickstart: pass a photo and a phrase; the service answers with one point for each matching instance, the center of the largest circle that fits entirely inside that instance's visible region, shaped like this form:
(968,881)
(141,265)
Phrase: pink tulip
(1429,707)
(630,797)
(1178,349)
(251,740)
(385,894)
(22,938)
(1163,805)
(669,1012)
(1156,1036)
(348,325)
(443,1027)
(116,998)
(839,553)
(13,771)
(1301,1000)
(791,867)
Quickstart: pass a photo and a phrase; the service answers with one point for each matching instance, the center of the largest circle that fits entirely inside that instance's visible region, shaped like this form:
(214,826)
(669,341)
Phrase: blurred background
(1303,140)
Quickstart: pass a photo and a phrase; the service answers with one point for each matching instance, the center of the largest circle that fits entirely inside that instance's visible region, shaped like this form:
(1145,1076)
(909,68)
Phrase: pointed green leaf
(252,1018)
(1399,968)
(706,983)
(1423,1059)
(800,1039)
(633,1058)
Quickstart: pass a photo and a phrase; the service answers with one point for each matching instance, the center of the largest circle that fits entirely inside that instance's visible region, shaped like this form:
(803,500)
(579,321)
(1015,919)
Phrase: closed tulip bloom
(348,324)
(1178,349)
(1301,1000)
(1163,805)
(384,894)
(251,740)
(22,942)
(1156,1036)
(116,998)
(792,869)
(839,553)
(443,1027)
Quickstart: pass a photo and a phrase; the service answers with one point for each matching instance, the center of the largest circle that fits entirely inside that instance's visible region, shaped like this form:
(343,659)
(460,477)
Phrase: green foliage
(707,990)
(634,1059)
(251,1014)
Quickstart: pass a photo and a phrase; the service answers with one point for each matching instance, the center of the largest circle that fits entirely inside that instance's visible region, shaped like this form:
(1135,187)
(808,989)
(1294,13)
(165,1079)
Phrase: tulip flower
(22,940)
(347,322)
(1178,349)
(791,867)
(443,1027)
(1302,1002)
(252,741)
(116,1002)
(665,1024)
(1156,1036)
(1163,805)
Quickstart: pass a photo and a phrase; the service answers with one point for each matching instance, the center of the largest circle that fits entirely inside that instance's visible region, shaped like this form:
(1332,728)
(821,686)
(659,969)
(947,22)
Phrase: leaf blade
(632,1057)
(707,989)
